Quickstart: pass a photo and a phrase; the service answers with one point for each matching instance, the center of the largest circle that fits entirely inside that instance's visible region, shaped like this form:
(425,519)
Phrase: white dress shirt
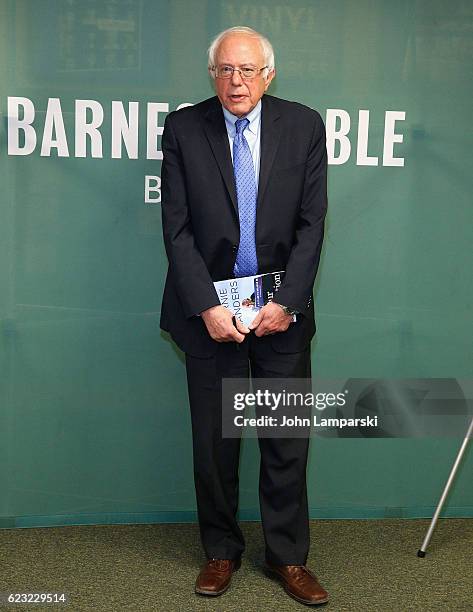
(251,133)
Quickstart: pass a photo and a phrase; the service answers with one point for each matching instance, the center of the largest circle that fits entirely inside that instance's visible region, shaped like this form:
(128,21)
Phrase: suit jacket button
(234,248)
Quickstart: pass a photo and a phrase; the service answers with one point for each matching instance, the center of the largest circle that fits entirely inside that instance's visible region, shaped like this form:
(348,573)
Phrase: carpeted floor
(366,566)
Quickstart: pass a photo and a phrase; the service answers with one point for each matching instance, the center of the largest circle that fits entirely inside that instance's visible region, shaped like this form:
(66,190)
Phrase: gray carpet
(367,566)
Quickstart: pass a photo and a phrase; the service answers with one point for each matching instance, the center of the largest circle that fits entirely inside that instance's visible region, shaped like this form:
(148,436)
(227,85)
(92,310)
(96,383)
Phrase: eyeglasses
(247,73)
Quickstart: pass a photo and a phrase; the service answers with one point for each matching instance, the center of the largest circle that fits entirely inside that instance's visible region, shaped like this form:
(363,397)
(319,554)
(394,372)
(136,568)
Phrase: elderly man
(244,192)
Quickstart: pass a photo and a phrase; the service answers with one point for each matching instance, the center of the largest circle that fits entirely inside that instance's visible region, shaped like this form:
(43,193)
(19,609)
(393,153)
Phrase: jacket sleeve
(297,286)
(187,268)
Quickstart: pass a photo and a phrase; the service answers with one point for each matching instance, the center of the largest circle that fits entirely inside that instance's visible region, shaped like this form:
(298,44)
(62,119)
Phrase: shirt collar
(254,117)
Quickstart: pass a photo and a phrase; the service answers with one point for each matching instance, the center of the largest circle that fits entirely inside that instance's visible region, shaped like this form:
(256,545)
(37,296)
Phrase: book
(245,296)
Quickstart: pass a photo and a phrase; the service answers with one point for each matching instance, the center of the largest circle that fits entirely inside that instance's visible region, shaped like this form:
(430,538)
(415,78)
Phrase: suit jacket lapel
(270,134)
(217,136)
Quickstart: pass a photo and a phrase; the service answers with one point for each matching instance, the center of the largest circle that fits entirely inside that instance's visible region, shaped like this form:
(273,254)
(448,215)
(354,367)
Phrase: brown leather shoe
(215,576)
(299,582)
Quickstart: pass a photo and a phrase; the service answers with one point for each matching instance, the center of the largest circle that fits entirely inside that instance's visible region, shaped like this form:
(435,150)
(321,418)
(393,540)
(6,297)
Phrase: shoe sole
(212,593)
(272,574)
(222,591)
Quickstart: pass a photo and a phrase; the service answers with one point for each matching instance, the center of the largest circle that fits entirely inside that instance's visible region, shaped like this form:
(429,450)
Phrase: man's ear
(269,78)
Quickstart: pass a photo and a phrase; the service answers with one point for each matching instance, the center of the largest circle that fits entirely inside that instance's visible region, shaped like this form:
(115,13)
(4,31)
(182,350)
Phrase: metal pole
(451,478)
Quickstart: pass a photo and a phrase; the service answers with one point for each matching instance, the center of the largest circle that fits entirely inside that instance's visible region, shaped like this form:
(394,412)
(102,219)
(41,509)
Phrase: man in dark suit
(244,192)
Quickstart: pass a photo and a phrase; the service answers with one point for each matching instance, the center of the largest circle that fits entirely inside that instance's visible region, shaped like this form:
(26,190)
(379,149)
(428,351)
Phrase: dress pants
(283,461)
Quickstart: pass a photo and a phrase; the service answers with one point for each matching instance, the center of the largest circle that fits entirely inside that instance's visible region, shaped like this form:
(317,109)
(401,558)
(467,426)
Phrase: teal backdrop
(94,421)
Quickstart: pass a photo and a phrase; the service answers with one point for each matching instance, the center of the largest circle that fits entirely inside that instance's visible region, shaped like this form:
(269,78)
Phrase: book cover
(246,296)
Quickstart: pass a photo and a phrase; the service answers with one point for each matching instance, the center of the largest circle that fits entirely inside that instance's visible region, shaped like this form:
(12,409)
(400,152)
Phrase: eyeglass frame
(243,78)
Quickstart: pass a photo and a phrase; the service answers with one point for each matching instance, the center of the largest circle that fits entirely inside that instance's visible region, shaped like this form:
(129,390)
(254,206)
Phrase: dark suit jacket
(200,215)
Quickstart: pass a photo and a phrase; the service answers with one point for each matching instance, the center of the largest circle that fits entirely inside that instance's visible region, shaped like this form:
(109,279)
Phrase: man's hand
(219,323)
(271,319)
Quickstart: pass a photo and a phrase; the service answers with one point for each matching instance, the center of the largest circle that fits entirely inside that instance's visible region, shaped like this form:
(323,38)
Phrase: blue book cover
(245,296)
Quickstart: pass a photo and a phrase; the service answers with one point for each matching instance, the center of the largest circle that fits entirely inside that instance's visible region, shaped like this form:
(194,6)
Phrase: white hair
(268,52)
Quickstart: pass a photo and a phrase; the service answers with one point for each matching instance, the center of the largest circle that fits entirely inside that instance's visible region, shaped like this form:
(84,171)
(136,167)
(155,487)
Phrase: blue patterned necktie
(246,263)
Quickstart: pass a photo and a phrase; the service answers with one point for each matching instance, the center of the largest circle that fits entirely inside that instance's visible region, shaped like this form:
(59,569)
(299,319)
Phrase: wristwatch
(287,310)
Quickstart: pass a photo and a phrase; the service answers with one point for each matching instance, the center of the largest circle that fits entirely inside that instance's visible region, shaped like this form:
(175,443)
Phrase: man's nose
(236,78)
